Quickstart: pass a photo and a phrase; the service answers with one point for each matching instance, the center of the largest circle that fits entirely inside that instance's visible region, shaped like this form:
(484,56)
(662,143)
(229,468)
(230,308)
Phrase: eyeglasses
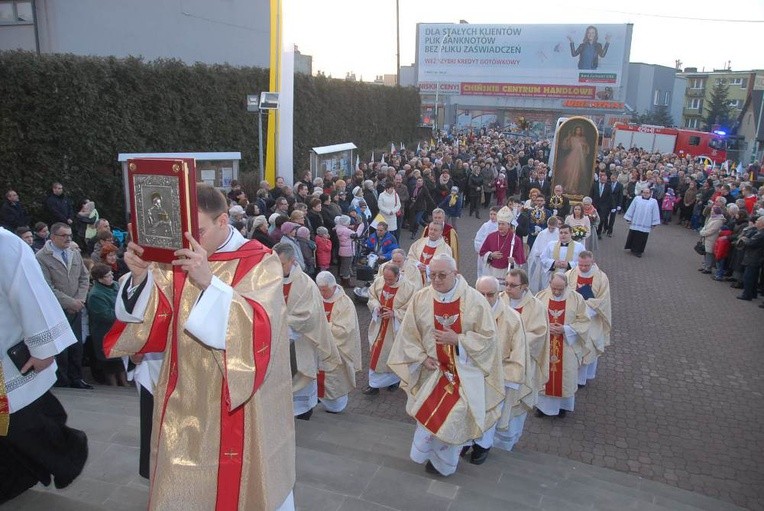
(69,236)
(513,286)
(440,275)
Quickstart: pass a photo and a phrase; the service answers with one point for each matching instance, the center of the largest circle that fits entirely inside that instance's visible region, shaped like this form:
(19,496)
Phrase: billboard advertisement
(568,61)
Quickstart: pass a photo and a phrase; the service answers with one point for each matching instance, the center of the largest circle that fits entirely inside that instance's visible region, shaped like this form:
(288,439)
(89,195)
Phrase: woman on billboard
(590,50)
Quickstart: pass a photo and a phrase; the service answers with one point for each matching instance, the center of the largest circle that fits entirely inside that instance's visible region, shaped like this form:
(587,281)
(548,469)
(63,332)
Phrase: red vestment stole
(166,325)
(445,394)
(321,378)
(556,311)
(386,301)
(424,258)
(287,288)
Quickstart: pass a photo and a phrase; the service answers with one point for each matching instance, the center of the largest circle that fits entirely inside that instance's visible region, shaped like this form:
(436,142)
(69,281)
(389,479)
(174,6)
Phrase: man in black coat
(602,199)
(753,256)
(13,214)
(541,182)
(475,190)
(616,193)
(58,207)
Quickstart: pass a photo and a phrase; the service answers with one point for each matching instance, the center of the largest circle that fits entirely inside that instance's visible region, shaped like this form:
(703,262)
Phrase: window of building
(694,104)
(667,98)
(691,123)
(657,97)
(696,83)
(736,81)
(13,13)
(736,103)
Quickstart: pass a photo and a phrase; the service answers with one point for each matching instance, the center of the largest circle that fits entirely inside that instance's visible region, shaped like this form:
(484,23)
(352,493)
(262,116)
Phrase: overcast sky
(359,35)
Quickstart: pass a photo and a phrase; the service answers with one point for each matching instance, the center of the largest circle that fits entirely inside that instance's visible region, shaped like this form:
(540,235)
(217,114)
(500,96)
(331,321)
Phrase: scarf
(452,200)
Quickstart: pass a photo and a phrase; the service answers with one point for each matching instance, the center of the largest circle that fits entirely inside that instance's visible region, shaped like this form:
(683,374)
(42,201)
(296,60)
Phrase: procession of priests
(473,358)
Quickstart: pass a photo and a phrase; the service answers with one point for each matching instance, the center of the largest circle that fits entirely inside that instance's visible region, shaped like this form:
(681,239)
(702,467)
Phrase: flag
(725,166)
(372,157)
(418,148)
(740,170)
(382,158)
(357,161)
(403,147)
(377,219)
(393,150)
(432,143)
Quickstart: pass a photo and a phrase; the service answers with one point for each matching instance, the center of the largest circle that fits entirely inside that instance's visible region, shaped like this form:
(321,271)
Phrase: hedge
(66,117)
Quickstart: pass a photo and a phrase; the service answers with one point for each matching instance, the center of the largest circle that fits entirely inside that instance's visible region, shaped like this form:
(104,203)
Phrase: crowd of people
(260,312)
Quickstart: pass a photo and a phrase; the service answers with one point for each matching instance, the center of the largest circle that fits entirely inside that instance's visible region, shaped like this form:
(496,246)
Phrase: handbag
(700,246)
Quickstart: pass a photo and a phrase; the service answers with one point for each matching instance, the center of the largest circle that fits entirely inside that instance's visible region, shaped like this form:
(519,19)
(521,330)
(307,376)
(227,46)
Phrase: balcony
(695,93)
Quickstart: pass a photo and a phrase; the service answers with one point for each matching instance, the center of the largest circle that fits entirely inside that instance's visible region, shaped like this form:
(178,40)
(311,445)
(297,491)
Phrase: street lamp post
(264,101)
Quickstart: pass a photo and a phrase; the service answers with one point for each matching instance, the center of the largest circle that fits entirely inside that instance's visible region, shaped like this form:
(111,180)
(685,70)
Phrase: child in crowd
(323,249)
(667,205)
(501,189)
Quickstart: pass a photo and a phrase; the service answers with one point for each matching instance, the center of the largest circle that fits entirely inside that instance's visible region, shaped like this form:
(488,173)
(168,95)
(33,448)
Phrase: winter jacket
(13,215)
(382,247)
(711,231)
(59,208)
(70,282)
(323,252)
(452,211)
(389,205)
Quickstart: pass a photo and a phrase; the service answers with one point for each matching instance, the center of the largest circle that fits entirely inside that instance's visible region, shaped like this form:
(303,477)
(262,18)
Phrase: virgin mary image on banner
(575,150)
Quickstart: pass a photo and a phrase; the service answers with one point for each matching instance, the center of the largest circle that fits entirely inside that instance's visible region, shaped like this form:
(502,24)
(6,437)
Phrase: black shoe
(81,384)
(638,254)
(706,272)
(329,411)
(562,414)
(581,386)
(60,383)
(539,413)
(479,455)
(477,216)
(430,469)
(737,285)
(305,416)
(741,297)
(393,387)
(610,235)
(599,236)
(465,450)
(370,391)
(761,306)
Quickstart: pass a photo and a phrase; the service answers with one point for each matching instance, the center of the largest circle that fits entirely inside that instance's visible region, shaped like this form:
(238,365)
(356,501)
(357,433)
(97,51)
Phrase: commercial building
(522,75)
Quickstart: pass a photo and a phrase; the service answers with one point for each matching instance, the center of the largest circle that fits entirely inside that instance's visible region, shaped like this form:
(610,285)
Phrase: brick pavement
(678,396)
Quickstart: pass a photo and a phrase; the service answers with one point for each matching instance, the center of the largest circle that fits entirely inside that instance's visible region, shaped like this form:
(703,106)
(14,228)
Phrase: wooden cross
(231,454)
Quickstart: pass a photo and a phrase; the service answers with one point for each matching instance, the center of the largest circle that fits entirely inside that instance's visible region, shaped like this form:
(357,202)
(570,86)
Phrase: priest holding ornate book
(449,362)
(223,434)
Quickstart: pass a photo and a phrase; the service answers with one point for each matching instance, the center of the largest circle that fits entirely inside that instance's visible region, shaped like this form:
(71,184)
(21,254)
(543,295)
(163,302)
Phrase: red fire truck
(679,141)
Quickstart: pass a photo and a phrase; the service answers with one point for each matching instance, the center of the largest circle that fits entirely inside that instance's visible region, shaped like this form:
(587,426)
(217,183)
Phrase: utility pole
(398,43)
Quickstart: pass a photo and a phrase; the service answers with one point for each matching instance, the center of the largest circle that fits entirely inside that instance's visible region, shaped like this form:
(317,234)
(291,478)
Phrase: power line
(687,18)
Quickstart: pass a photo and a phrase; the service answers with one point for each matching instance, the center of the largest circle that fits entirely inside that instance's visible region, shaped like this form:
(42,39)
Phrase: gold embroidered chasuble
(480,382)
(223,434)
(564,358)
(599,330)
(382,332)
(313,338)
(536,326)
(515,358)
(346,335)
